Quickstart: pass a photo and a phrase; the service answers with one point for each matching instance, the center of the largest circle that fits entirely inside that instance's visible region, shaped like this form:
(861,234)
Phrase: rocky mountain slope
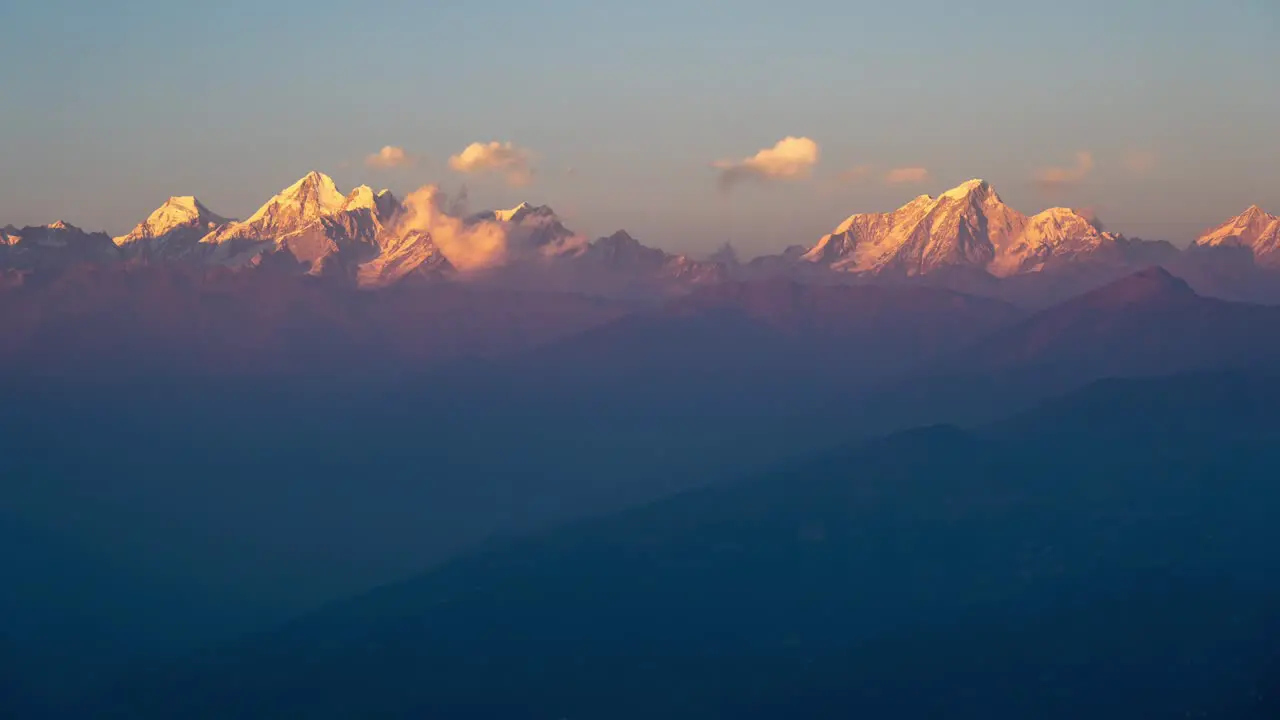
(1254,230)
(970,226)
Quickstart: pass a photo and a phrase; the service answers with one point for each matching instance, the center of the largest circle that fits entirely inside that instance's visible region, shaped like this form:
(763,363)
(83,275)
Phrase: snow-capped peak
(1061,214)
(969,226)
(360,198)
(967,188)
(519,211)
(313,181)
(313,196)
(184,209)
(183,212)
(61,225)
(1255,229)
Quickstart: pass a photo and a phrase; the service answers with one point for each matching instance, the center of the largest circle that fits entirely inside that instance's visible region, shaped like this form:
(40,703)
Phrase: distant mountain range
(371,239)
(966,239)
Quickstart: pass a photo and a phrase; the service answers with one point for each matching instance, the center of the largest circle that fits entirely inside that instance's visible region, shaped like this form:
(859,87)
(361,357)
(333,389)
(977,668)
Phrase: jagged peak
(522,210)
(621,237)
(61,225)
(386,204)
(974,188)
(186,206)
(1254,211)
(1070,218)
(360,197)
(315,194)
(313,179)
(315,185)
(1066,214)
(184,202)
(965,188)
(1246,228)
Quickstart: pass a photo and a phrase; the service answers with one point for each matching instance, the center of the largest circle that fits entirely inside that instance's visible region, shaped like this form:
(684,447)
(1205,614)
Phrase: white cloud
(908,176)
(1056,178)
(389,157)
(791,158)
(512,162)
(468,246)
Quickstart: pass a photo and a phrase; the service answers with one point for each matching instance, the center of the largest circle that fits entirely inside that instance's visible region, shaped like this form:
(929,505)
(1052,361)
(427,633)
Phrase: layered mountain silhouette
(1107,555)
(773,336)
(1149,323)
(144,320)
(213,425)
(221,429)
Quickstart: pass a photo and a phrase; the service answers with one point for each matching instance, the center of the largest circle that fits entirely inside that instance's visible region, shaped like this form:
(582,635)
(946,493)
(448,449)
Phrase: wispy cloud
(791,158)
(907,176)
(389,157)
(1058,178)
(512,162)
(1141,162)
(855,174)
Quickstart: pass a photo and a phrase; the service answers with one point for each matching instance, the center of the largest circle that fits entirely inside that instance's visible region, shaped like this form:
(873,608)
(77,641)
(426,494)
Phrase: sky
(1162,117)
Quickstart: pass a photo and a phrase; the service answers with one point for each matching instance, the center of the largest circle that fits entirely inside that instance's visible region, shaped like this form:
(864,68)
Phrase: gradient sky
(109,108)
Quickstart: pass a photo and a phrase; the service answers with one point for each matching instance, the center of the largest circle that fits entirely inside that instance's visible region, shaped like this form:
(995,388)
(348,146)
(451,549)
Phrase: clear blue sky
(110,107)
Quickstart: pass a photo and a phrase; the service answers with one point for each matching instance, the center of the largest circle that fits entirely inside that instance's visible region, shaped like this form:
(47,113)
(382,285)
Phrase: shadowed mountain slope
(1037,568)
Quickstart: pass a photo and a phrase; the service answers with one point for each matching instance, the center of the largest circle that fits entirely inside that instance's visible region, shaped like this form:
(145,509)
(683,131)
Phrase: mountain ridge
(968,226)
(966,238)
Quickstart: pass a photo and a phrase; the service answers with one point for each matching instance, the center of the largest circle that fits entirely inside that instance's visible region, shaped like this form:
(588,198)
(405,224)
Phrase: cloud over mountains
(389,157)
(512,162)
(791,158)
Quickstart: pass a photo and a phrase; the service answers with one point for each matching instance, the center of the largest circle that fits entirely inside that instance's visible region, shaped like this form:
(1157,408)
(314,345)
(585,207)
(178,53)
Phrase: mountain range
(209,443)
(966,239)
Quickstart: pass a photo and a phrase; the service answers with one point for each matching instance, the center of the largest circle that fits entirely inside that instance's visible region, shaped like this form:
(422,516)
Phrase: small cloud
(907,176)
(1057,178)
(512,162)
(1140,162)
(855,174)
(388,158)
(791,158)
